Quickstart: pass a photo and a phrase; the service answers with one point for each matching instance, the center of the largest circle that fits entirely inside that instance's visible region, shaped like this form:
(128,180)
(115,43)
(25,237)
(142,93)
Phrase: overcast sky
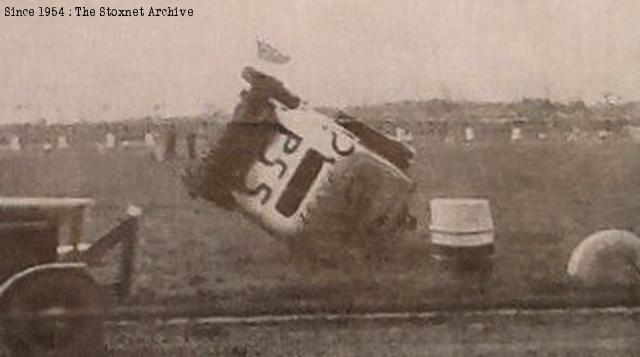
(344,52)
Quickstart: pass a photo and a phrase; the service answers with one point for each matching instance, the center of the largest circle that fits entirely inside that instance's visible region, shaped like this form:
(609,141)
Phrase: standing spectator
(170,147)
(191,144)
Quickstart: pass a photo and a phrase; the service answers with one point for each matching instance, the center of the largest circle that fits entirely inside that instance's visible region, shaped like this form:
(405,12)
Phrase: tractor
(50,304)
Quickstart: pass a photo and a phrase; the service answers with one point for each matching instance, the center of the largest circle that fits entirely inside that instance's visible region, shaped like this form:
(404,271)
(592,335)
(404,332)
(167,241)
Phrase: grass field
(545,196)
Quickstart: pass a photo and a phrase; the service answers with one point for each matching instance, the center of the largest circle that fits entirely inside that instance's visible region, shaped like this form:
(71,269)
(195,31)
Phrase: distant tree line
(435,116)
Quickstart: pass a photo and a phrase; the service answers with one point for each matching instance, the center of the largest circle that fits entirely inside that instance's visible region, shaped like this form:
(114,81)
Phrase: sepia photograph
(253,178)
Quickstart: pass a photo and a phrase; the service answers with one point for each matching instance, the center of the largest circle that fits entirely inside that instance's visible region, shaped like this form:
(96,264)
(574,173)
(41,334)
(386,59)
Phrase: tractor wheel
(62,314)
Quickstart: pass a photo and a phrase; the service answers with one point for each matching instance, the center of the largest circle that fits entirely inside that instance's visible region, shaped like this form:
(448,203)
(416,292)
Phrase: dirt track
(548,333)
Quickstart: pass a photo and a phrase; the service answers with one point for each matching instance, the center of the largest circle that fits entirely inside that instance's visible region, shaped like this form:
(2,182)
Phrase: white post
(62,142)
(403,135)
(603,134)
(15,144)
(111,140)
(516,134)
(469,135)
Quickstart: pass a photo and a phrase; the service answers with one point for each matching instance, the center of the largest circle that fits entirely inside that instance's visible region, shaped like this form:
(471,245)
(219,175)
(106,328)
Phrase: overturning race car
(304,176)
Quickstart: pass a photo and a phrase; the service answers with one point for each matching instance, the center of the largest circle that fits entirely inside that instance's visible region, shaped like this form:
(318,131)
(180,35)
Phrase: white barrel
(461,229)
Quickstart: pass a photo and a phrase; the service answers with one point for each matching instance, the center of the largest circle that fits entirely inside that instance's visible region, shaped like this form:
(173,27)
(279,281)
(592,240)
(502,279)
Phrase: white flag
(270,54)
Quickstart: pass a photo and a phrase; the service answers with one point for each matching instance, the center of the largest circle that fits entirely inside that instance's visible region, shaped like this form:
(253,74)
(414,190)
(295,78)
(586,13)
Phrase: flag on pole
(270,54)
